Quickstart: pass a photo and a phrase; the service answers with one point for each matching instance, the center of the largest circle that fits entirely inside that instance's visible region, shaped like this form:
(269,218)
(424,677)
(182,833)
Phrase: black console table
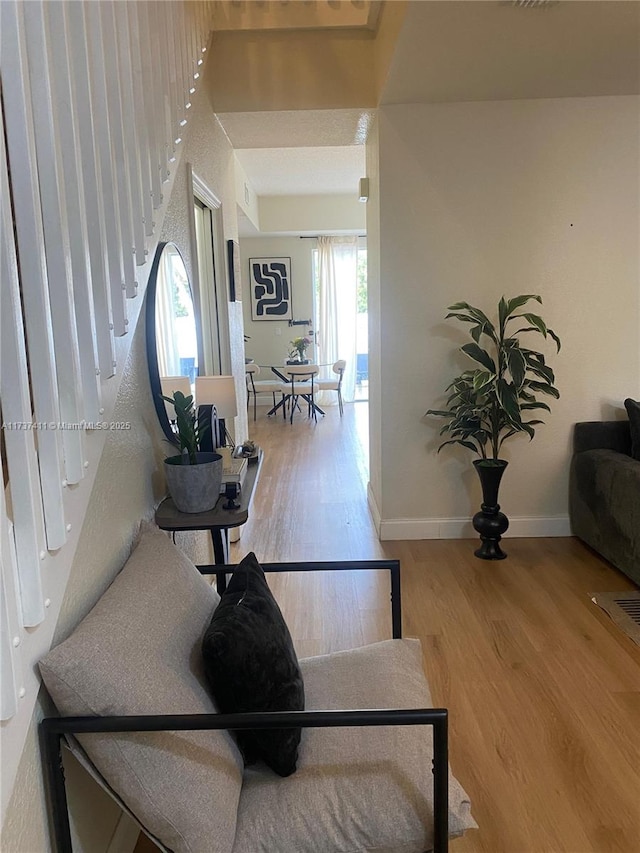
(217,520)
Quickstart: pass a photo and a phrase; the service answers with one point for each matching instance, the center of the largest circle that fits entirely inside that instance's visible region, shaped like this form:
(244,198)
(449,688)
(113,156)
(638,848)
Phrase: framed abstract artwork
(270,281)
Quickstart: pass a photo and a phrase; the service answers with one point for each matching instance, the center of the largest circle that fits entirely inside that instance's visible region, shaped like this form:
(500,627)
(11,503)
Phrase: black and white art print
(270,280)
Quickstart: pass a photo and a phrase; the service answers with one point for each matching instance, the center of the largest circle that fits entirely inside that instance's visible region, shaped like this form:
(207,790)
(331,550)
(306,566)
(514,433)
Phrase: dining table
(279,370)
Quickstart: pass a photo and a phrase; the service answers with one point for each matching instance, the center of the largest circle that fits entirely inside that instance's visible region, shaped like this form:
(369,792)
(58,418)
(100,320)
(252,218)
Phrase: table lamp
(219,391)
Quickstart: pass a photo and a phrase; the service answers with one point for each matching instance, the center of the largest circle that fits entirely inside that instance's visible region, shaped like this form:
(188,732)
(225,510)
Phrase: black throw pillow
(251,665)
(633,410)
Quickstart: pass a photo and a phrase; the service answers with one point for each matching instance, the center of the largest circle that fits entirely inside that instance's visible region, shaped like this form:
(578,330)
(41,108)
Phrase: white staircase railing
(94,99)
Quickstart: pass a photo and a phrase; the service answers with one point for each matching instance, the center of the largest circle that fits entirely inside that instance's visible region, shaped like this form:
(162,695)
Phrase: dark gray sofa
(604,493)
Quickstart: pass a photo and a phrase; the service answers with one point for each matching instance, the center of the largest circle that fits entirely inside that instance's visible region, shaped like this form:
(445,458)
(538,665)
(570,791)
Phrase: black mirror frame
(152,348)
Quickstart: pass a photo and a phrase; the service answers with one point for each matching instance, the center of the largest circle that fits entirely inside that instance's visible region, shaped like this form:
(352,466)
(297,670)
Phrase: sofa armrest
(602,435)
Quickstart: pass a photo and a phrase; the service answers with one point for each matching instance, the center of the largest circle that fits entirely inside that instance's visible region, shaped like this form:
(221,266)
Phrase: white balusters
(67,125)
(117,145)
(96,233)
(130,130)
(56,242)
(156,143)
(103,146)
(10,658)
(30,240)
(94,99)
(17,418)
(145,148)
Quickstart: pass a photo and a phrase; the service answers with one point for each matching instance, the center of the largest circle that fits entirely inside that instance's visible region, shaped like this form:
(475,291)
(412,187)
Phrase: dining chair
(301,383)
(262,386)
(336,383)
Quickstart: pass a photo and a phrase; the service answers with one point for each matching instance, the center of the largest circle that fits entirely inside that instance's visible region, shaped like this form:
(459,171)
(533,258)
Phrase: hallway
(311,504)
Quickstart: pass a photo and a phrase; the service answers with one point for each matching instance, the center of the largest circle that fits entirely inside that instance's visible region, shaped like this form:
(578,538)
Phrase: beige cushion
(298,388)
(356,789)
(267,386)
(138,652)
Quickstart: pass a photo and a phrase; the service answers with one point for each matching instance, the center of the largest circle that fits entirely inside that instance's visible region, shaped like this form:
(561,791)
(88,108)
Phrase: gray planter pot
(194,488)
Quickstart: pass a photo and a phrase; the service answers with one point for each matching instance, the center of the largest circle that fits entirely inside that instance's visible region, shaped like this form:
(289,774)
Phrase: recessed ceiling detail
(294,15)
(297,128)
(439,52)
(304,171)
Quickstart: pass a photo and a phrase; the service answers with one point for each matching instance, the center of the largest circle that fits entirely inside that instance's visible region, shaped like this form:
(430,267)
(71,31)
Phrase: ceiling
(446,51)
(324,149)
(478,51)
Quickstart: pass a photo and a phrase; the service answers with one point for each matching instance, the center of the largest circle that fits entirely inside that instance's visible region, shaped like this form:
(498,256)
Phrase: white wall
(375,336)
(129,483)
(481,199)
(270,339)
(312,214)
(246,198)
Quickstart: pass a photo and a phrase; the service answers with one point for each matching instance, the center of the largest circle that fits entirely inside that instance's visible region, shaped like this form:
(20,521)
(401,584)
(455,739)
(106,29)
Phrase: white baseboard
(462,528)
(523,527)
(426,528)
(373,509)
(389,529)
(125,836)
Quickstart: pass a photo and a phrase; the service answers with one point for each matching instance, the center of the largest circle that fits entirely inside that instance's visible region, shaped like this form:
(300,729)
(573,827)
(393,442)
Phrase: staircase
(95,97)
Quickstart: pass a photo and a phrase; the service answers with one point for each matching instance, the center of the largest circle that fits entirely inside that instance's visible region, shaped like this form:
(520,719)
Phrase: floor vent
(624,610)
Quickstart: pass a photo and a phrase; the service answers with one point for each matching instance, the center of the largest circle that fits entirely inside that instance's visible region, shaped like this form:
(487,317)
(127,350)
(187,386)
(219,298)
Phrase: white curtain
(166,336)
(337,272)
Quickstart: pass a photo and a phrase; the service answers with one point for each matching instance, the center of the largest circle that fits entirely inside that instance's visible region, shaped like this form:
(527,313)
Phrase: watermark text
(65,425)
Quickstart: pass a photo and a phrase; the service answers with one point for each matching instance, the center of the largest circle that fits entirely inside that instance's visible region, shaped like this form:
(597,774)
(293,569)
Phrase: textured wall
(127,485)
(24,829)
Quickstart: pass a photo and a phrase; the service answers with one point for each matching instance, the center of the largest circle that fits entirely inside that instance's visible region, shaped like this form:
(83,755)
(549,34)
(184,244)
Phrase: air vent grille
(624,610)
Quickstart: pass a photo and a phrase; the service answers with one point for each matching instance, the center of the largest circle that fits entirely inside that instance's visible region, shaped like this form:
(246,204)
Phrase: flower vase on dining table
(298,350)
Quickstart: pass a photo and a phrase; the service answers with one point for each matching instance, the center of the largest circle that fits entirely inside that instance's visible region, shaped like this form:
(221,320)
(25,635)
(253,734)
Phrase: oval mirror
(172,331)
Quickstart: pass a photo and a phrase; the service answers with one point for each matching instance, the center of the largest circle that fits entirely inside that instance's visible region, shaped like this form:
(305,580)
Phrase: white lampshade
(218,391)
(171,384)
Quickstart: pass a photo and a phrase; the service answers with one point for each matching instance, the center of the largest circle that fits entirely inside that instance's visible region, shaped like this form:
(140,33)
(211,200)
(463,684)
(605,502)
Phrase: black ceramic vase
(490,522)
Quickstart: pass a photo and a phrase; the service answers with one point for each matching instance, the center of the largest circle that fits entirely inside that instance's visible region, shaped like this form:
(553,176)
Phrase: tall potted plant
(493,401)
(193,476)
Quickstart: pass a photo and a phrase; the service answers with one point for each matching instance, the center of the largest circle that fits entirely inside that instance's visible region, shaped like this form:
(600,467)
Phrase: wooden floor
(543,690)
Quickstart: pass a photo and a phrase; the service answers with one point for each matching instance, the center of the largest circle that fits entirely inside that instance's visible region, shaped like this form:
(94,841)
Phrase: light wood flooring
(543,690)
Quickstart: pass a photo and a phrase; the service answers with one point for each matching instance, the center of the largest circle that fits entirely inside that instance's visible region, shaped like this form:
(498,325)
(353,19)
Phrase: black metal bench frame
(54,729)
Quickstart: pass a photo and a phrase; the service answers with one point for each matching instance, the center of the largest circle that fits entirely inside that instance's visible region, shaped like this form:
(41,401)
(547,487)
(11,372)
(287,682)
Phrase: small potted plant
(298,350)
(489,404)
(193,476)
